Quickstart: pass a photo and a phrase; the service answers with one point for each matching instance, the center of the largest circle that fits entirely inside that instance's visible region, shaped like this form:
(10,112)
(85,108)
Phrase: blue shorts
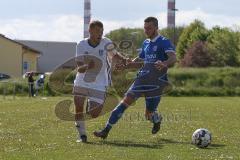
(147,91)
(151,102)
(150,82)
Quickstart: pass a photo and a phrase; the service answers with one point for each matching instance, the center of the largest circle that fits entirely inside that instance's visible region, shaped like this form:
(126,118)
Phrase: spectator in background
(30,84)
(40,83)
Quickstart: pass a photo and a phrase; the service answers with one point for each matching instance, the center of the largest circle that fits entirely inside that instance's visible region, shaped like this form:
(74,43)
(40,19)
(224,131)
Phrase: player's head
(96,31)
(151,27)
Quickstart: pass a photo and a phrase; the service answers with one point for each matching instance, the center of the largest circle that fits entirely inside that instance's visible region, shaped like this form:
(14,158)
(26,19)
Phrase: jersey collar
(154,39)
(93,45)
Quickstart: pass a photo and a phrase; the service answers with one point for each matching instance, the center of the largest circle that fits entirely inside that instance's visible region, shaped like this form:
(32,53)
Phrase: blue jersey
(148,75)
(156,49)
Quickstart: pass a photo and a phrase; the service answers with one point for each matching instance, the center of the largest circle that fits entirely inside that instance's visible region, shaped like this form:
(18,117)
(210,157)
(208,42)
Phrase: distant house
(17,58)
(53,53)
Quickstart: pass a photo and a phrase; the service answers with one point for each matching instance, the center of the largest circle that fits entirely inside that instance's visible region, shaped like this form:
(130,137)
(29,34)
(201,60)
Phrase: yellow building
(16,58)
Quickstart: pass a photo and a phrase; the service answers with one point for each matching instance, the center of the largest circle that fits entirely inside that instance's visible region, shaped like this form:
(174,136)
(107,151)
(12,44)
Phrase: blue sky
(61,20)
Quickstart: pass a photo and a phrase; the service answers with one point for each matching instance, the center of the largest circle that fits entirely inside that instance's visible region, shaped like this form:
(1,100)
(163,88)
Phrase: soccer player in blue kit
(161,53)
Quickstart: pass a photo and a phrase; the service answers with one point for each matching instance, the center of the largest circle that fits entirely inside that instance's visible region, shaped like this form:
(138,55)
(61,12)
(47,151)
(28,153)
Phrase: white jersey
(102,77)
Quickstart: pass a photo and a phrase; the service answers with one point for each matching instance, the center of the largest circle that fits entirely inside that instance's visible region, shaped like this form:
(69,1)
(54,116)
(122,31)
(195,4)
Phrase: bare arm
(119,57)
(168,63)
(119,60)
(81,67)
(171,59)
(135,63)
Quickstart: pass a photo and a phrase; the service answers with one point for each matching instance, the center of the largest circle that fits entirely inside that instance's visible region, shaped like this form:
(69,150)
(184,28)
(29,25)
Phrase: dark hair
(96,23)
(152,19)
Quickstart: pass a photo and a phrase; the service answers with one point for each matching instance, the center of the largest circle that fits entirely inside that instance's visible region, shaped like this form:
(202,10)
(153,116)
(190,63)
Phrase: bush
(196,56)
(205,82)
(186,82)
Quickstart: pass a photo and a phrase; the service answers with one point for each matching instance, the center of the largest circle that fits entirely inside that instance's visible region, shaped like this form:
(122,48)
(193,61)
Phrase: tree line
(196,45)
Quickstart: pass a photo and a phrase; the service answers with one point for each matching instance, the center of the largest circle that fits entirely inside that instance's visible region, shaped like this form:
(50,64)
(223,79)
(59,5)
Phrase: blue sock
(115,115)
(156,117)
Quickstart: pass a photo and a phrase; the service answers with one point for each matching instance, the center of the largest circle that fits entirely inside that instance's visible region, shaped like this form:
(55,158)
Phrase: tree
(196,56)
(223,46)
(121,34)
(196,31)
(134,35)
(171,34)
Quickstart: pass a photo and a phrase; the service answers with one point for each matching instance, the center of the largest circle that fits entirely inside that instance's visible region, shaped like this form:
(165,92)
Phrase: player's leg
(152,114)
(115,116)
(79,119)
(94,108)
(32,89)
(119,110)
(117,113)
(96,101)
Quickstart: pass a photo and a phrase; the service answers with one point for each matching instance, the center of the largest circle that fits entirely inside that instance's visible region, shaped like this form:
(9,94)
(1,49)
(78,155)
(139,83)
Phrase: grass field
(29,129)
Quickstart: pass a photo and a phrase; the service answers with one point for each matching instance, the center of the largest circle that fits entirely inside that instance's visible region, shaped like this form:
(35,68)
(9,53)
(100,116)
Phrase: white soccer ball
(201,138)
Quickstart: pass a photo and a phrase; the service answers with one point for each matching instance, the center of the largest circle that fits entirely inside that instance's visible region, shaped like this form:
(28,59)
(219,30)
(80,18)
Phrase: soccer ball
(201,138)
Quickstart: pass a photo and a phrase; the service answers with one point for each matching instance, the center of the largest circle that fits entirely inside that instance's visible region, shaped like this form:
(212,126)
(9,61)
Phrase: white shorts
(94,91)
(92,94)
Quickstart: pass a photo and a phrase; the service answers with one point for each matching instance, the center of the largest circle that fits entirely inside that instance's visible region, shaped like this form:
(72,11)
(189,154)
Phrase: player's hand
(91,64)
(160,65)
(127,61)
(123,65)
(82,68)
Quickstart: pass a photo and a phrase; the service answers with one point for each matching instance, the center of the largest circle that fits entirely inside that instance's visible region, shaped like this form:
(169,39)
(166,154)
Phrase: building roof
(54,53)
(41,41)
(23,45)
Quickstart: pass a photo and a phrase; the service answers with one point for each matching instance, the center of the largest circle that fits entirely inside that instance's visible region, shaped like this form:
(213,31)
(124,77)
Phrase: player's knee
(78,101)
(79,116)
(95,114)
(127,101)
(95,111)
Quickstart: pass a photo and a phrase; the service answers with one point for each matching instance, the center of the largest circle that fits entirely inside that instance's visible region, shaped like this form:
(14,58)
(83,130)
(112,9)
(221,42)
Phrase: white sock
(80,125)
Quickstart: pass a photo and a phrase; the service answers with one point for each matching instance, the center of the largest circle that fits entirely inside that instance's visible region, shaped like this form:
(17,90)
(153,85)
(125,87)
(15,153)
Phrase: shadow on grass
(148,145)
(158,144)
(170,141)
(218,145)
(215,146)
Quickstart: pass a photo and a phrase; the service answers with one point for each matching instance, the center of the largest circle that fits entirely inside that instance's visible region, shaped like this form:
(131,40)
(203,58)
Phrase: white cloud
(70,27)
(210,20)
(111,25)
(52,28)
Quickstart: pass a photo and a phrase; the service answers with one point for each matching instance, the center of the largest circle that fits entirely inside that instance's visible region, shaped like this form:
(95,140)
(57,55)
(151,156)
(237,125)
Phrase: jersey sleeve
(79,51)
(141,52)
(110,48)
(168,46)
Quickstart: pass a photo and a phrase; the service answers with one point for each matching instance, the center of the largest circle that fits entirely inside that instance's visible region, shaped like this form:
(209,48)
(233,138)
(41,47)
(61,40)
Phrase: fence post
(14,89)
(4,91)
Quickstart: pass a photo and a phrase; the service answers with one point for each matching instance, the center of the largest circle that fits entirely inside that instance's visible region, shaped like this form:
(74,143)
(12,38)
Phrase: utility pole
(87,17)
(171,18)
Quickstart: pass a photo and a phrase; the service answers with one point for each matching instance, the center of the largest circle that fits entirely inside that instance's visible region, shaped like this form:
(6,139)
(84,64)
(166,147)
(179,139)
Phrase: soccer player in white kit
(93,77)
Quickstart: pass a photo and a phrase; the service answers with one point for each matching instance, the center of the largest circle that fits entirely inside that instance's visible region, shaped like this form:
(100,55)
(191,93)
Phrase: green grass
(29,129)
